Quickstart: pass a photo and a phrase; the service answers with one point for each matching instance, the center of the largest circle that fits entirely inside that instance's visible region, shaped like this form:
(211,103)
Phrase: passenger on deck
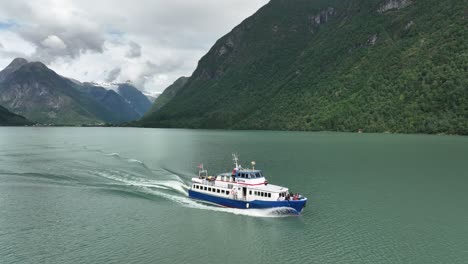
(233,175)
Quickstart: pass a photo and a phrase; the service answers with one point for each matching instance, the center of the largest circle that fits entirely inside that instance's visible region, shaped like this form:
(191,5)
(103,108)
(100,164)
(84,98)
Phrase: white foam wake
(112,154)
(151,187)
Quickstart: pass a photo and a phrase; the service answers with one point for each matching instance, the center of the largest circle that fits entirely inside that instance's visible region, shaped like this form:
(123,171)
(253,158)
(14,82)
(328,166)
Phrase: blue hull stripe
(295,204)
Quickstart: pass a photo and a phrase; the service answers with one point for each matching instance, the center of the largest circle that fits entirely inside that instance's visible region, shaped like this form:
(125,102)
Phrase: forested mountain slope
(377,65)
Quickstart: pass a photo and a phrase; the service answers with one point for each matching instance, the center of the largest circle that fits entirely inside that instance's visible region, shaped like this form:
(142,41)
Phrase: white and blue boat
(243,188)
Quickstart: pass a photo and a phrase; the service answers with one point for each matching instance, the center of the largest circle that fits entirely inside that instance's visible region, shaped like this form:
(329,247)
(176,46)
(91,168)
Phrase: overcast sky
(150,42)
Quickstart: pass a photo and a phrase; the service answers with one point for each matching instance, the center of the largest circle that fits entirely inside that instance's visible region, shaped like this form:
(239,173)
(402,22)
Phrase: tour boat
(243,188)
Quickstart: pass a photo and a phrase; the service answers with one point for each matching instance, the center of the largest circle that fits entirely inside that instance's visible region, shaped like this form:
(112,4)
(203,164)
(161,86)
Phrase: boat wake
(174,188)
(112,171)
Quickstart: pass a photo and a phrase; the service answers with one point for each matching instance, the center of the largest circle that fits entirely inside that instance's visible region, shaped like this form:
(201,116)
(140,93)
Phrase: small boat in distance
(244,189)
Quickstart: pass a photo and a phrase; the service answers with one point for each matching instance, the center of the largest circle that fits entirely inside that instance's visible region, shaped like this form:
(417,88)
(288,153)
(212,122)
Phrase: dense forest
(8,118)
(397,66)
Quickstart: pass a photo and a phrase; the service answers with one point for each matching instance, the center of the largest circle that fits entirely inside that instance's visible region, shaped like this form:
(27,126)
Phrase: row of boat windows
(261,194)
(215,190)
(250,175)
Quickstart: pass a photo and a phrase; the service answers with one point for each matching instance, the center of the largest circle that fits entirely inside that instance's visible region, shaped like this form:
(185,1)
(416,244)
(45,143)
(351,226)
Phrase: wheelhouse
(249,174)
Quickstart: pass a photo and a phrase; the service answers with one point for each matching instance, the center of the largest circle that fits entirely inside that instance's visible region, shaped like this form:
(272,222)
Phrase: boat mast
(236,159)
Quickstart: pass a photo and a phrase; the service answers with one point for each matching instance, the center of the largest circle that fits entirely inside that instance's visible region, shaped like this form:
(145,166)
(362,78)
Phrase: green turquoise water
(117,195)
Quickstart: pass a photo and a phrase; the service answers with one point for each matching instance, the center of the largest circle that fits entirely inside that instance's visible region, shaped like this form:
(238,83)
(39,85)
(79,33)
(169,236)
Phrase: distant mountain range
(41,95)
(373,65)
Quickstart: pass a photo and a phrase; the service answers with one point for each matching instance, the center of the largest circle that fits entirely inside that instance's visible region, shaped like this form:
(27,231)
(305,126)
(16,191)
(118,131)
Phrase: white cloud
(152,43)
(53,42)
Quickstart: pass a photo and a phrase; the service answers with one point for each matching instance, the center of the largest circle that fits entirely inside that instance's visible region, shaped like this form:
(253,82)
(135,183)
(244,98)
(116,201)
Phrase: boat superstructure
(243,188)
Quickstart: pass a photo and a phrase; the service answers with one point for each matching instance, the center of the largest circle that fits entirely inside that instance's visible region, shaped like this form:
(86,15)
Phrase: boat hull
(297,205)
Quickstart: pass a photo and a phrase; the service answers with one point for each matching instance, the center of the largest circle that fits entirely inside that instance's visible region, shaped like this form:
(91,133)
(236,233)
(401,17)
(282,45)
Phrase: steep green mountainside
(167,96)
(376,65)
(8,118)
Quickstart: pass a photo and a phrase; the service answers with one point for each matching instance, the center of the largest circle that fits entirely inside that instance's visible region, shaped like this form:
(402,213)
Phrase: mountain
(141,104)
(35,91)
(40,94)
(8,118)
(112,101)
(376,65)
(13,66)
(166,96)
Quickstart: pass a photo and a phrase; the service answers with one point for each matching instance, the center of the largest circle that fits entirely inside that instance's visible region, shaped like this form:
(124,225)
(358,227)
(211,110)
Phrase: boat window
(204,188)
(250,192)
(227,192)
(209,189)
(261,194)
(218,190)
(222,191)
(269,195)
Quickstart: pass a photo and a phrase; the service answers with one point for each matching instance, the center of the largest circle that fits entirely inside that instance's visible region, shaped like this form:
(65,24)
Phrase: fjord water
(118,195)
